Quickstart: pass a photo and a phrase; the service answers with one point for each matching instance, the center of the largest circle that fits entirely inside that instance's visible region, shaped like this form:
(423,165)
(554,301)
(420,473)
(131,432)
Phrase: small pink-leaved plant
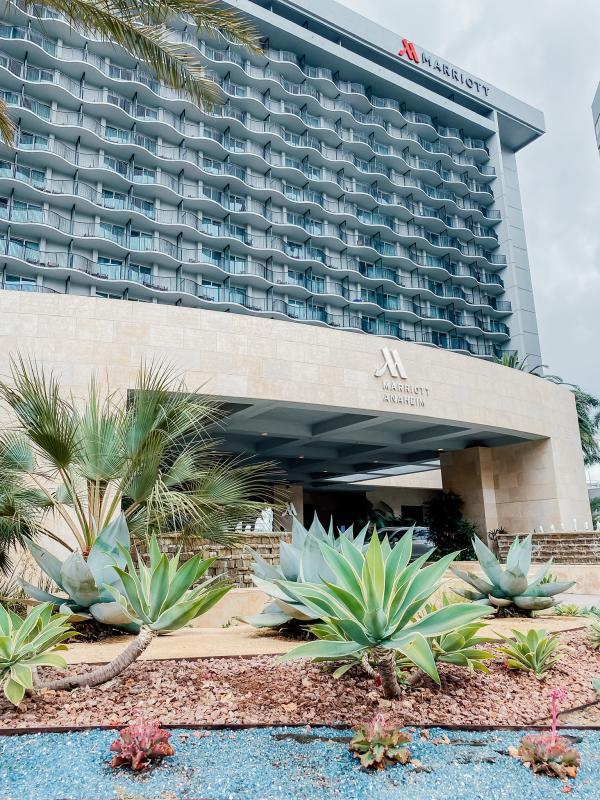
(140,743)
(378,745)
(547,752)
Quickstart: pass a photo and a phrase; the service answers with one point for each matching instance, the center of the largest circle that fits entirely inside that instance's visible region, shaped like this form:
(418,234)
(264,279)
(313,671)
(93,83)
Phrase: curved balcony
(117,137)
(228,54)
(29,74)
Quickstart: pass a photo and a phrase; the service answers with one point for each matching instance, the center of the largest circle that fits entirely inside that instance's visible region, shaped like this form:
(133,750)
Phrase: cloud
(547,53)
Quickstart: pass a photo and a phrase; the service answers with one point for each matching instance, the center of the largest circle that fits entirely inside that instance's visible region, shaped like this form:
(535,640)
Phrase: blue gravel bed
(283,763)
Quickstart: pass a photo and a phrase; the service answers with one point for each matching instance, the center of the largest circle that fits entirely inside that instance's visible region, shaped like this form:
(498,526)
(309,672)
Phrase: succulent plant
(510,589)
(157,597)
(300,560)
(536,651)
(594,631)
(547,752)
(84,581)
(378,745)
(28,643)
(139,743)
(554,757)
(370,607)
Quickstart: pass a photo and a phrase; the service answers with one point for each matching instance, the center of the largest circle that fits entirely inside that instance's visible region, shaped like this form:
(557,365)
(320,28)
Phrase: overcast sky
(547,53)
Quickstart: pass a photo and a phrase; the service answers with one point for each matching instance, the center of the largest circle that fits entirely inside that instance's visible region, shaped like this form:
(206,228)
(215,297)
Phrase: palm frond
(7,126)
(124,23)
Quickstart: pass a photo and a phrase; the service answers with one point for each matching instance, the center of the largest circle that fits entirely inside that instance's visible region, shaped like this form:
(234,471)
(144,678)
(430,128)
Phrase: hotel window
(22,248)
(140,240)
(145,207)
(211,290)
(27,212)
(120,135)
(238,264)
(117,165)
(140,274)
(118,100)
(236,203)
(146,112)
(112,199)
(296,309)
(293,192)
(144,175)
(108,295)
(114,232)
(213,194)
(212,227)
(41,109)
(20,283)
(146,141)
(212,256)
(110,267)
(238,295)
(212,165)
(35,176)
(33,141)
(39,74)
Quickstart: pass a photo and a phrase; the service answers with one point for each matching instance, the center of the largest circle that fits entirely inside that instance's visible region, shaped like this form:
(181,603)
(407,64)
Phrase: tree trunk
(386,664)
(106,672)
(366,666)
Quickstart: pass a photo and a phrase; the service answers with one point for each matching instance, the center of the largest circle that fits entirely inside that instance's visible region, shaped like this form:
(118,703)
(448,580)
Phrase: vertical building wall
(512,239)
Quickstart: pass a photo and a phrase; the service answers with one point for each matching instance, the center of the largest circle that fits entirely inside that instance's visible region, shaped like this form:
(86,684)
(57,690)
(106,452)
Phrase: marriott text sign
(398,390)
(433,64)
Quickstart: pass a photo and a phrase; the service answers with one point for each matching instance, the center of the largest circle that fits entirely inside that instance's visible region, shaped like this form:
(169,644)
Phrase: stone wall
(233,562)
(564,548)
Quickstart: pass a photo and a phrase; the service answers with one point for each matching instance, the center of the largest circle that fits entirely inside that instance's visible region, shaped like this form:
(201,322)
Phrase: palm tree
(114,466)
(139,26)
(587,406)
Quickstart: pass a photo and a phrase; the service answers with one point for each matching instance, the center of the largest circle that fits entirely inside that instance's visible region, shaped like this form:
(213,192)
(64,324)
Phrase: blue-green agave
(510,587)
(374,607)
(85,582)
(26,644)
(301,561)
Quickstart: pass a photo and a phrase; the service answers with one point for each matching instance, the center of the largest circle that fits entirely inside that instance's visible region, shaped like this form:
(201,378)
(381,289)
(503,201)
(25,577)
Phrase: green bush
(536,651)
(448,529)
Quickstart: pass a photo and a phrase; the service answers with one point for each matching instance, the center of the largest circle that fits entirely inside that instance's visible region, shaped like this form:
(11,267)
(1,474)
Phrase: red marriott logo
(409,51)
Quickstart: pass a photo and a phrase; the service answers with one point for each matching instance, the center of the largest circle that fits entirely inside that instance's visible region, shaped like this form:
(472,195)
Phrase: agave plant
(370,607)
(301,561)
(535,651)
(28,643)
(149,454)
(157,598)
(510,589)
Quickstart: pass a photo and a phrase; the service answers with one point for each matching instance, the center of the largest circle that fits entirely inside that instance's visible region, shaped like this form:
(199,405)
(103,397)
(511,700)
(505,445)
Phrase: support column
(520,487)
(470,473)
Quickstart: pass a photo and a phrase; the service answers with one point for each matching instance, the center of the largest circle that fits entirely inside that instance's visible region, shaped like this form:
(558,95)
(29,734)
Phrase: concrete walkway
(243,640)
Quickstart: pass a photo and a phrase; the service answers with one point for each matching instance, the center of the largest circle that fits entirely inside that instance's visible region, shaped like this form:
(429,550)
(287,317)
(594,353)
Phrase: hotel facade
(337,253)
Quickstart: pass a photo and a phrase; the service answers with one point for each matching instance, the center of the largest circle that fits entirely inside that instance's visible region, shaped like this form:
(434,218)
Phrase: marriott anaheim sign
(434,64)
(395,386)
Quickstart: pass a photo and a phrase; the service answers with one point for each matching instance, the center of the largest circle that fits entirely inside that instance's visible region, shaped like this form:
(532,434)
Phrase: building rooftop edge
(525,121)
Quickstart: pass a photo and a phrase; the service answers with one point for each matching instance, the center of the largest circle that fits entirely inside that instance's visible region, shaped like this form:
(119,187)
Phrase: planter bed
(275,763)
(259,690)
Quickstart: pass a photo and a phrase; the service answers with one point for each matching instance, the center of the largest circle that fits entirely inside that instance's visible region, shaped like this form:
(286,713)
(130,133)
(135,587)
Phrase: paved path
(243,640)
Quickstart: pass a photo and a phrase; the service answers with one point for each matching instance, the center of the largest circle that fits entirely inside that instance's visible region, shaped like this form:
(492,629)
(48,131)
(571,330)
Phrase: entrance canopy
(321,447)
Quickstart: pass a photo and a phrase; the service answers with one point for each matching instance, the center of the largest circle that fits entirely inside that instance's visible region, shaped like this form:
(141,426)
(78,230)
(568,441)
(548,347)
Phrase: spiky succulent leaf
(28,643)
(510,587)
(301,560)
(372,604)
(160,596)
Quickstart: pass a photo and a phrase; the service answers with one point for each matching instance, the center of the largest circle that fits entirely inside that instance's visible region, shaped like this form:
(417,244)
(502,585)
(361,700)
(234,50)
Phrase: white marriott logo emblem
(392,363)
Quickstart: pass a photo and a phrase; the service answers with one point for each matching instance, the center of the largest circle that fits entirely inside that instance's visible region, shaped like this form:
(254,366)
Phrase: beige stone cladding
(521,486)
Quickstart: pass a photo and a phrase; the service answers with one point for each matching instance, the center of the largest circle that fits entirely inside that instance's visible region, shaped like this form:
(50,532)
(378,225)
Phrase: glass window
(114,232)
(144,175)
(122,167)
(108,295)
(33,141)
(141,240)
(112,199)
(31,175)
(20,283)
(39,74)
(120,135)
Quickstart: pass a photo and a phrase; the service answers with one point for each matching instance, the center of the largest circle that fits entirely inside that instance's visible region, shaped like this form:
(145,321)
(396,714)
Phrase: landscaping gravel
(280,764)
(260,690)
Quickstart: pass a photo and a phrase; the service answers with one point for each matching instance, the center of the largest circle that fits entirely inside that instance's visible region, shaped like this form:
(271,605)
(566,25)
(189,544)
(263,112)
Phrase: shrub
(594,631)
(139,743)
(536,651)
(28,643)
(448,529)
(370,607)
(509,589)
(378,745)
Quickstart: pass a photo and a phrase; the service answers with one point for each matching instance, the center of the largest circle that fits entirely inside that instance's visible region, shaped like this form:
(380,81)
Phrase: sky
(546,53)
